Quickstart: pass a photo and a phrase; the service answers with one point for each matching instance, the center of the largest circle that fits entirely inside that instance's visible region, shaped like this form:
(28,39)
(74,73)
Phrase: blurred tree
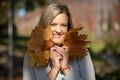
(3,11)
(32,4)
(3,20)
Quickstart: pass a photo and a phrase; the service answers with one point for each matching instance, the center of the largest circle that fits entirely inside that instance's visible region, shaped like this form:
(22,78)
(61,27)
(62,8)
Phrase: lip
(56,36)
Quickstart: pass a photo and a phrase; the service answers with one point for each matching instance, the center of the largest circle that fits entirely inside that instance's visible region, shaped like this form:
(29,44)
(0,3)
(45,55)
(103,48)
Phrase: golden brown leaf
(76,43)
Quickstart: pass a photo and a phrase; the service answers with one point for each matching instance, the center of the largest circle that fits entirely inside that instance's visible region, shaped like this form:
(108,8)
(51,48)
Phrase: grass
(97,46)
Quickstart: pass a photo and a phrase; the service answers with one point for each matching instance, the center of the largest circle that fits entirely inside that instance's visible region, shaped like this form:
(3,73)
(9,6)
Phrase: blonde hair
(51,12)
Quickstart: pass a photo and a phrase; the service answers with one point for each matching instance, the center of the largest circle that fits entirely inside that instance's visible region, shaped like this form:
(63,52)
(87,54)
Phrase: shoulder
(85,56)
(84,60)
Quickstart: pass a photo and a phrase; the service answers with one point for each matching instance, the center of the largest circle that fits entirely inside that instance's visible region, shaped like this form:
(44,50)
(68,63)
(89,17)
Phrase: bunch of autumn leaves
(40,42)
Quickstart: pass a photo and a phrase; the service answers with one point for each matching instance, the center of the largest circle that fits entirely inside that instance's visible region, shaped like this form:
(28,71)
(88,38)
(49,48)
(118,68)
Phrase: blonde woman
(57,65)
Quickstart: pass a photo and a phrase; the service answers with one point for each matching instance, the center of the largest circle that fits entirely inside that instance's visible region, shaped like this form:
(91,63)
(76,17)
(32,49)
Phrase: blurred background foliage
(101,19)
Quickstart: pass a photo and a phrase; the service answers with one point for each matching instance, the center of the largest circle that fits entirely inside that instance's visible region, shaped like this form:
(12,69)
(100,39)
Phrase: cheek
(65,30)
(52,29)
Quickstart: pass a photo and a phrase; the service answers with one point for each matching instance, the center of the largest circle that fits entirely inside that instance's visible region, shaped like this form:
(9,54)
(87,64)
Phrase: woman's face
(59,27)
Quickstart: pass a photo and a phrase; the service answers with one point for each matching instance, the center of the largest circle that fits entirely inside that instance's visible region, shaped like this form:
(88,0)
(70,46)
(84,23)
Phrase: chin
(57,41)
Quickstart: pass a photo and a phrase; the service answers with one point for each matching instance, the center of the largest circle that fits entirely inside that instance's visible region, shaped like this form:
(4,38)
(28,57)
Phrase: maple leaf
(76,43)
(38,46)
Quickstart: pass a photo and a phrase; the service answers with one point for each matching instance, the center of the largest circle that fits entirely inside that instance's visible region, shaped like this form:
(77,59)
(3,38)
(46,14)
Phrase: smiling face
(59,27)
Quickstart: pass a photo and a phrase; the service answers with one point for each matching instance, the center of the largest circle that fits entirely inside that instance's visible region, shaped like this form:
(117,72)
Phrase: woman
(58,66)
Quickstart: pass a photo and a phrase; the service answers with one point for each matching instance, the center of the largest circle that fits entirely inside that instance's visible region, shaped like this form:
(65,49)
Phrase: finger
(60,57)
(65,47)
(52,50)
(57,47)
(57,54)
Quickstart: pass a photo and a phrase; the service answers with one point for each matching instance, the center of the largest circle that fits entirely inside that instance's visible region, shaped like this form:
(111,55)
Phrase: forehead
(62,17)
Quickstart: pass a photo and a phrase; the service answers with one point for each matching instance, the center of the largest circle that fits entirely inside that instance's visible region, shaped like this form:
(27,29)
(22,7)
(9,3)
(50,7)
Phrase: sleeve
(71,75)
(86,68)
(28,72)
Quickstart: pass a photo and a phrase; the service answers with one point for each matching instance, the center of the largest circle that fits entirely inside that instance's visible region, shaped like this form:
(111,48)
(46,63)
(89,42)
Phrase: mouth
(57,36)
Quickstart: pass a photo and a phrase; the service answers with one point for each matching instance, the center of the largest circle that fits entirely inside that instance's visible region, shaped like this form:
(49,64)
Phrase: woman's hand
(59,59)
(63,51)
(55,59)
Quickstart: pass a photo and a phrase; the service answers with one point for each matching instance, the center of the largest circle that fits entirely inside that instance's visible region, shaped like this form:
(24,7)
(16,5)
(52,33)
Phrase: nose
(58,29)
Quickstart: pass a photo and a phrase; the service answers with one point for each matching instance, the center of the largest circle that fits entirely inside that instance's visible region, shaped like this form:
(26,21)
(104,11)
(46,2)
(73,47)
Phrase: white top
(81,69)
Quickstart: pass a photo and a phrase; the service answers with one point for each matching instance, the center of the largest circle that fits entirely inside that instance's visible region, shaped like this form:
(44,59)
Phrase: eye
(53,24)
(64,25)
